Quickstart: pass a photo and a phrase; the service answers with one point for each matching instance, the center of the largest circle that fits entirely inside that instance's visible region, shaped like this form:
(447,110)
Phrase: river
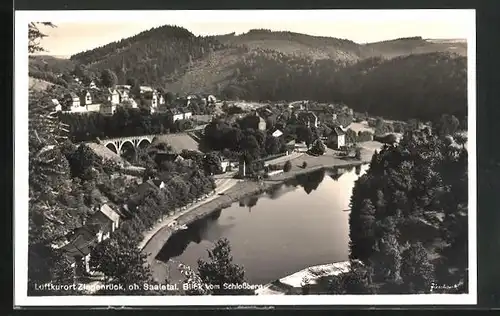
(298,224)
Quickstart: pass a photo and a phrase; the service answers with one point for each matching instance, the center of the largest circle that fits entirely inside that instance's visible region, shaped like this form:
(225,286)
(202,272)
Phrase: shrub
(304,164)
(288,166)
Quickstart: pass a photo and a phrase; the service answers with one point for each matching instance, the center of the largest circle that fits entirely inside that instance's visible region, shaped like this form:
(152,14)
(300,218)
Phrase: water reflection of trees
(179,241)
(310,181)
(358,170)
(249,201)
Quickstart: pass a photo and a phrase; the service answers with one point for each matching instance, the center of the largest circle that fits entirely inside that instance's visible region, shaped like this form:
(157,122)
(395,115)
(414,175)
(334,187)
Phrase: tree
(357,154)
(288,166)
(356,281)
(122,264)
(108,78)
(304,164)
(220,270)
(135,90)
(386,263)
(318,148)
(48,265)
(447,125)
(35,35)
(131,82)
(272,145)
(82,162)
(351,136)
(212,163)
(416,270)
(460,139)
(169,97)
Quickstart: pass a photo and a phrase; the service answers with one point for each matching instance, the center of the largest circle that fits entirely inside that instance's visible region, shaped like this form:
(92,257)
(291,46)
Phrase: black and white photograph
(258,157)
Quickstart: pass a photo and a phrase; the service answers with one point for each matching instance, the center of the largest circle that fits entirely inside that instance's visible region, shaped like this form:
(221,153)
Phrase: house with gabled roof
(71,100)
(85,97)
(112,96)
(336,139)
(81,242)
(308,118)
(160,97)
(176,114)
(57,105)
(106,220)
(107,108)
(151,99)
(123,95)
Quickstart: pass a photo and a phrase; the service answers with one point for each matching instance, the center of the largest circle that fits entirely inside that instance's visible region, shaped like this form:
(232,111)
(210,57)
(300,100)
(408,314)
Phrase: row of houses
(106,102)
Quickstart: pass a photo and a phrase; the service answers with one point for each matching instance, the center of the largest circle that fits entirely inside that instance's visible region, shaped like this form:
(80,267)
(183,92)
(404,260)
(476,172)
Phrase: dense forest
(417,86)
(409,218)
(149,57)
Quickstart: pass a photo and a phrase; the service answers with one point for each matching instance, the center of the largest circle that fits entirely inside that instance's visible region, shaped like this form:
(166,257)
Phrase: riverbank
(239,190)
(311,276)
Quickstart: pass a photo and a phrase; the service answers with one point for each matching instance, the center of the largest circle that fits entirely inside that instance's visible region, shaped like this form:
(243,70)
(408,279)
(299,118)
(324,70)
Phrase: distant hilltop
(447,40)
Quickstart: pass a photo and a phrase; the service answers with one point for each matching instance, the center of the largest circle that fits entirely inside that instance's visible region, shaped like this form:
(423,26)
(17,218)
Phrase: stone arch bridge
(122,144)
(131,144)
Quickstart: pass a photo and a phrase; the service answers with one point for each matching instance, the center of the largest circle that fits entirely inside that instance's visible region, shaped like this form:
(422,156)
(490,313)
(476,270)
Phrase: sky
(84,30)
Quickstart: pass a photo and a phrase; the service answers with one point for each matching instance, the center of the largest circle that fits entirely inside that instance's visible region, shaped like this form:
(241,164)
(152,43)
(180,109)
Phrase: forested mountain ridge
(265,65)
(320,47)
(150,56)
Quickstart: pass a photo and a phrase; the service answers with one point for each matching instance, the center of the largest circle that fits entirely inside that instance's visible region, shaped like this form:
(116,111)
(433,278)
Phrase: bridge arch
(143,143)
(127,150)
(111,146)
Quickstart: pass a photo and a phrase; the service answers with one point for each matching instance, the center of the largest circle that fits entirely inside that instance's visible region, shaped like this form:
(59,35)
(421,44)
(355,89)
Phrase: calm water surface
(299,224)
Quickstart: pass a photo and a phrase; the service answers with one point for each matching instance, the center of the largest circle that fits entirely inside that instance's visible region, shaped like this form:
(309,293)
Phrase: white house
(160,97)
(95,107)
(57,105)
(123,95)
(112,96)
(176,115)
(336,138)
(71,101)
(151,99)
(187,114)
(277,133)
(211,99)
(123,87)
(78,249)
(129,103)
(145,89)
(107,221)
(92,85)
(85,97)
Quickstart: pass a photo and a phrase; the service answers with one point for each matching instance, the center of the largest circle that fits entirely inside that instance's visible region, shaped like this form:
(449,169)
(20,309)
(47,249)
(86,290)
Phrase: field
(38,85)
(361,127)
(178,142)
